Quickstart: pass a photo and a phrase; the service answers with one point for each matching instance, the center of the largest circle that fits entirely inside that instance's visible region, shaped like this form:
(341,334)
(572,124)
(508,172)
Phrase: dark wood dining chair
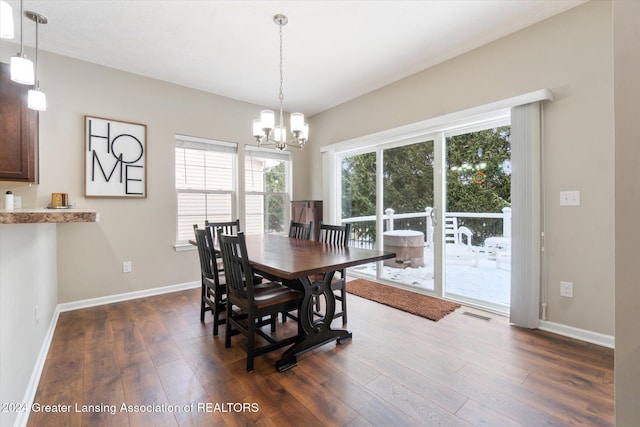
(247,305)
(228,227)
(300,230)
(213,288)
(336,235)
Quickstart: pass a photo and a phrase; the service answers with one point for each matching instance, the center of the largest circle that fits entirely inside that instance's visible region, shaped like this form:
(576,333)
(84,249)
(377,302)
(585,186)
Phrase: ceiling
(334,51)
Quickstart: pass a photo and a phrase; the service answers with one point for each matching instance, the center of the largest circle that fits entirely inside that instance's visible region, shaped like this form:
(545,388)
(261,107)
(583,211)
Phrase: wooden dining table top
(289,258)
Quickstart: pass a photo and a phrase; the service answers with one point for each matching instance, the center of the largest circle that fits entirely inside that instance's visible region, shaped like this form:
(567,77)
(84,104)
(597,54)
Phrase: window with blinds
(205,183)
(267,190)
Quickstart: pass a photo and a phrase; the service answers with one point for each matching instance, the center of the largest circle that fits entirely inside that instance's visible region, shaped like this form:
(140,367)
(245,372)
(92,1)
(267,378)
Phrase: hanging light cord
(36,63)
(22,55)
(283,136)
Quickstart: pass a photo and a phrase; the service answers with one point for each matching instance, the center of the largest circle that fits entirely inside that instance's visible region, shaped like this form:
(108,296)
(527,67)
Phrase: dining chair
(336,235)
(213,283)
(246,304)
(228,227)
(300,230)
(213,288)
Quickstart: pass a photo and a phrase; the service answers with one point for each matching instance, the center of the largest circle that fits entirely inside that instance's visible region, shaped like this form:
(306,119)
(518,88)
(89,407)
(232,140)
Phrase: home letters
(115,158)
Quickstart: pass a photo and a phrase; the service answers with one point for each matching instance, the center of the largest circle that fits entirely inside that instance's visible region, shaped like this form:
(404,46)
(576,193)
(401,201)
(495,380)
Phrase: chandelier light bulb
(6,20)
(257,128)
(22,70)
(297,122)
(280,135)
(37,100)
(268,119)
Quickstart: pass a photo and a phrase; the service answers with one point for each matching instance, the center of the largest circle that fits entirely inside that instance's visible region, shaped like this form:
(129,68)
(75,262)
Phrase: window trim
(270,153)
(206,144)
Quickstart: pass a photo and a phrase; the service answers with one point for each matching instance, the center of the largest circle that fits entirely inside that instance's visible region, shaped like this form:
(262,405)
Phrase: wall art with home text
(115,158)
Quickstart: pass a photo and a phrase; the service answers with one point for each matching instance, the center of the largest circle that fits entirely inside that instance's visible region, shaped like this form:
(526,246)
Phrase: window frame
(267,153)
(205,144)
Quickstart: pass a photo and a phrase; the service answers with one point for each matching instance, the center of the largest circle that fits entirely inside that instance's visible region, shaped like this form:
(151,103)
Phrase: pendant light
(265,129)
(36,99)
(6,20)
(21,67)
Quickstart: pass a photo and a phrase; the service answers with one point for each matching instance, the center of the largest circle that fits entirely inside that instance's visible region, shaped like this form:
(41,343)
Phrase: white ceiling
(334,51)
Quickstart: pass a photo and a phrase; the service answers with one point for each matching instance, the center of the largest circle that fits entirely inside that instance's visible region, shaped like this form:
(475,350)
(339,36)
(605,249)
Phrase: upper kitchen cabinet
(18,131)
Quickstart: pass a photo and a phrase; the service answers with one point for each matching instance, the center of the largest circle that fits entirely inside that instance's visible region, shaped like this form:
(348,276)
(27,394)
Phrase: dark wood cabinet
(307,210)
(18,131)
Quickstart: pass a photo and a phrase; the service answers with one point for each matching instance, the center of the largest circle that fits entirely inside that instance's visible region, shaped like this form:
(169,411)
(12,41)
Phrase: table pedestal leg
(313,331)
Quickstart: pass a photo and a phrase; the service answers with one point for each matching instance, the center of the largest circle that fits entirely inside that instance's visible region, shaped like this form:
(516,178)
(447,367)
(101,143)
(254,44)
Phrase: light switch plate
(566,289)
(570,198)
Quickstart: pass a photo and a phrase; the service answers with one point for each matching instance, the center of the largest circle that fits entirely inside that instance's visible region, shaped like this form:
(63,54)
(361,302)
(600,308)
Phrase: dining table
(298,264)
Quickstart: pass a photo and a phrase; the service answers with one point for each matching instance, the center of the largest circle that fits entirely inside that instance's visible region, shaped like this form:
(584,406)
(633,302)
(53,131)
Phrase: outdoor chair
(458,242)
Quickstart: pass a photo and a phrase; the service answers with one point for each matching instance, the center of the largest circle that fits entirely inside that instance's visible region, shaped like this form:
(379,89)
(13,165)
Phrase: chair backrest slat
(227,227)
(236,264)
(299,230)
(206,264)
(334,234)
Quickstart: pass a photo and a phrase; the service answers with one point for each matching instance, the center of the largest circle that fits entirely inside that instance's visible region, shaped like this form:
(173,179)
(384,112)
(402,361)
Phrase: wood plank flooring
(154,357)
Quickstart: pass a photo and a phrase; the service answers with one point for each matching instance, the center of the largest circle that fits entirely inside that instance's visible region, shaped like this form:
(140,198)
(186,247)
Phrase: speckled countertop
(43,215)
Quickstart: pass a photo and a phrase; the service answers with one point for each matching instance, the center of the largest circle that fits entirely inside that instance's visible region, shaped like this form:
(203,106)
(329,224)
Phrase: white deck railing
(390,217)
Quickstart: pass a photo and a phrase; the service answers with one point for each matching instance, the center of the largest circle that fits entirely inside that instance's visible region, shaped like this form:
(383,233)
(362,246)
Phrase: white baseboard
(32,386)
(76,305)
(577,333)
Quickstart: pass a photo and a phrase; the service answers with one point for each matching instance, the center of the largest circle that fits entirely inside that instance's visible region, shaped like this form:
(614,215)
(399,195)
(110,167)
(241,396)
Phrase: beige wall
(139,230)
(570,54)
(627,191)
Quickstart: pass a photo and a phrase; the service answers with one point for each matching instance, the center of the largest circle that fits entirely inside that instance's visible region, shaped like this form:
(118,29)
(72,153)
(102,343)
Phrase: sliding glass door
(408,201)
(441,202)
(477,222)
(358,202)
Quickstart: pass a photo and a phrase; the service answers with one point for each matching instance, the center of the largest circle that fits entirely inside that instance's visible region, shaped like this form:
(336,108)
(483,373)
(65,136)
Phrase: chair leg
(216,312)
(251,342)
(227,332)
(343,298)
(202,306)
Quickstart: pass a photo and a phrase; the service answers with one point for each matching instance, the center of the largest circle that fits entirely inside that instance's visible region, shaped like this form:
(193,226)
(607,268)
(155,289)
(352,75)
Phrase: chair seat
(278,295)
(267,294)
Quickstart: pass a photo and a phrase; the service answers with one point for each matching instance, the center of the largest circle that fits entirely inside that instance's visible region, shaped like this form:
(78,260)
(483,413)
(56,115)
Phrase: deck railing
(482,225)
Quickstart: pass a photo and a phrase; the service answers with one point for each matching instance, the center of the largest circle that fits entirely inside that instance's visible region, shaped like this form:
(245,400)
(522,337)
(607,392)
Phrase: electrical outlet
(566,289)
(570,198)
(126,267)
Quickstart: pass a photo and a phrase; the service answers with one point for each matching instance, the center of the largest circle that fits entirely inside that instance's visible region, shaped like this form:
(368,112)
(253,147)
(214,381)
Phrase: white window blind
(526,136)
(205,176)
(267,189)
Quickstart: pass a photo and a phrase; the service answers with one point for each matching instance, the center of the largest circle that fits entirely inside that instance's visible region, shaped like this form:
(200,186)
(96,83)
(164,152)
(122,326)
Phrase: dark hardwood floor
(399,369)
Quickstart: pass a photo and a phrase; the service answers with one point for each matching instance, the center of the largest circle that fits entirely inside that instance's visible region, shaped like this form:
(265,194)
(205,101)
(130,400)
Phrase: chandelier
(264,129)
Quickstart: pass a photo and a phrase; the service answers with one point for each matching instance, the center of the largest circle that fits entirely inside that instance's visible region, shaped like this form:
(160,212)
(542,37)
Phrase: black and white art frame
(115,158)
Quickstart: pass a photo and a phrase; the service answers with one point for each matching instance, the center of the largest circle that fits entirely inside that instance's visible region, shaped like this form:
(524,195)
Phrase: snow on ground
(470,275)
